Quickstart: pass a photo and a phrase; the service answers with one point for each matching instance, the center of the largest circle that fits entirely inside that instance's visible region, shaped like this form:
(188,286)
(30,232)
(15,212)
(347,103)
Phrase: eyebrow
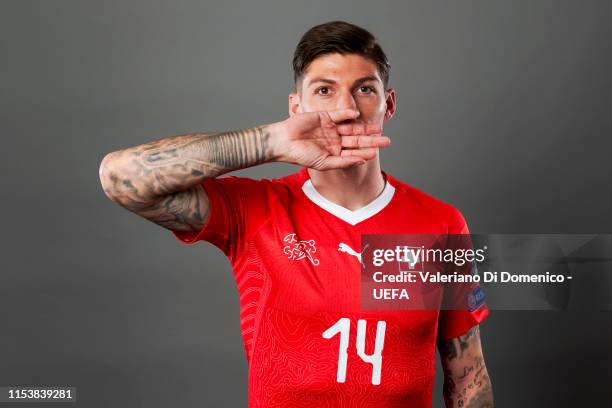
(331,81)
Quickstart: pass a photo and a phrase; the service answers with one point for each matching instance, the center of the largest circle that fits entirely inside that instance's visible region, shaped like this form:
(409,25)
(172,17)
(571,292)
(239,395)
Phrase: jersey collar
(352,217)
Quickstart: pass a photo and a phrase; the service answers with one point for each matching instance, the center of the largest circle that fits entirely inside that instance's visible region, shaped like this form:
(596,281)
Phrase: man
(293,242)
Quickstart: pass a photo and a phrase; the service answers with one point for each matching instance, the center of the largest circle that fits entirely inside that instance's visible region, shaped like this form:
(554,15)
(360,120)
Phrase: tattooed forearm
(160,180)
(466,380)
(176,163)
(223,151)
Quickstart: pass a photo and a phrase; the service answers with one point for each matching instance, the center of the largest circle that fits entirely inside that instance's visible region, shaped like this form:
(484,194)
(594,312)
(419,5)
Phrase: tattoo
(176,211)
(476,393)
(228,151)
(161,180)
(478,366)
(483,398)
(463,341)
(454,348)
(466,381)
(448,349)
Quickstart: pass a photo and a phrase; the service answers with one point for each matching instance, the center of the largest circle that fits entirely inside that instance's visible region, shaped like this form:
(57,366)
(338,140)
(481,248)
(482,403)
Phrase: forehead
(340,68)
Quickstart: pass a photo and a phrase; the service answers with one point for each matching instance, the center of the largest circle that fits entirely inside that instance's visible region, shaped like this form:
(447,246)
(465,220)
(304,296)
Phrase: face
(337,81)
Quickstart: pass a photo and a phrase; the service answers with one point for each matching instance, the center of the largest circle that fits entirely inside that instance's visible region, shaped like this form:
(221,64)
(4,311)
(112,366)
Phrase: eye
(366,89)
(323,90)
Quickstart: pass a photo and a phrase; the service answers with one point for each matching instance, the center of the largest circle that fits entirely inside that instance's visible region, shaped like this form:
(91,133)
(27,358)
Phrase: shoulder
(426,205)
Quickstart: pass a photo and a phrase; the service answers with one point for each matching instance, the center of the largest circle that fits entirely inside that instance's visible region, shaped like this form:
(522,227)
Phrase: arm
(160,180)
(466,380)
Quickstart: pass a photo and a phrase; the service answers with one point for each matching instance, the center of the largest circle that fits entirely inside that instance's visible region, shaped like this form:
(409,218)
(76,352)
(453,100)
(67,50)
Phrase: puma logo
(342,247)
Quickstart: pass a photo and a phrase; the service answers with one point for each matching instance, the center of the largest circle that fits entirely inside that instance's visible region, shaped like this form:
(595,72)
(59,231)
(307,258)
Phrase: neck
(351,188)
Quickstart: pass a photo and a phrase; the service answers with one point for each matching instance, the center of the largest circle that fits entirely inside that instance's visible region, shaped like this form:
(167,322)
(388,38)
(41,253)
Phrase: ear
(390,104)
(294,104)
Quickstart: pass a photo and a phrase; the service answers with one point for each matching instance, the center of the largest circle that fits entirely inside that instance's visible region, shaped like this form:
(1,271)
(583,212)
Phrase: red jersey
(307,341)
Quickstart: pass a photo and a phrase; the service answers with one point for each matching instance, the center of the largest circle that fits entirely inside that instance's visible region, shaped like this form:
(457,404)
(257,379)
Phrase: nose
(346,101)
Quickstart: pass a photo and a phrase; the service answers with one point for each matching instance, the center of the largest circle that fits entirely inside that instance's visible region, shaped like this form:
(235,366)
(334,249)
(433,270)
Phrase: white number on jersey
(343,326)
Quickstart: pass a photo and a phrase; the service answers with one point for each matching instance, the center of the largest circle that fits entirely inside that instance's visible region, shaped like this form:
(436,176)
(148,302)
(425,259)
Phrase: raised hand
(327,139)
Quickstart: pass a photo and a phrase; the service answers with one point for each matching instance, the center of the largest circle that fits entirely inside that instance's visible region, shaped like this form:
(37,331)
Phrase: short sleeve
(470,308)
(237,205)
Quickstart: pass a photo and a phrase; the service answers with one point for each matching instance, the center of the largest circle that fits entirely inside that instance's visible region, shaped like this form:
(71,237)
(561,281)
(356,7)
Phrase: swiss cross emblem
(296,249)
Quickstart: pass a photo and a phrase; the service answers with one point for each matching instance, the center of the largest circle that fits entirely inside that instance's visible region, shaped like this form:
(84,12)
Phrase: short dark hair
(338,37)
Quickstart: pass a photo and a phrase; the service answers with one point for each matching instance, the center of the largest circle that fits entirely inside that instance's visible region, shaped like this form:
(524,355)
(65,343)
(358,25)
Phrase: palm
(317,139)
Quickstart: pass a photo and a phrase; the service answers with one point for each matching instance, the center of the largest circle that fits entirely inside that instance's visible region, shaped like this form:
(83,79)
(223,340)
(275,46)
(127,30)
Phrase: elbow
(109,178)
(116,178)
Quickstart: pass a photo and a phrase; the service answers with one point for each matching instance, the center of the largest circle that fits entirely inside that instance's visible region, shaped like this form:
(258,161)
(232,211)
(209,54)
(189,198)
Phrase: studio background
(503,111)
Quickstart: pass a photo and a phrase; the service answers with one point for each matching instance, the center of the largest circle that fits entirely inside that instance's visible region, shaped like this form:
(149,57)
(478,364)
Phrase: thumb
(340,162)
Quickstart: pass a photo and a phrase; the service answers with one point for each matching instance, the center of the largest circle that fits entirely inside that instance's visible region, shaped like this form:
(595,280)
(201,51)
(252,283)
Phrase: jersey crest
(297,250)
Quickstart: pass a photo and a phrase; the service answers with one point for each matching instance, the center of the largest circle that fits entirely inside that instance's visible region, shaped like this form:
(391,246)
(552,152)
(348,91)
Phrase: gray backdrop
(503,111)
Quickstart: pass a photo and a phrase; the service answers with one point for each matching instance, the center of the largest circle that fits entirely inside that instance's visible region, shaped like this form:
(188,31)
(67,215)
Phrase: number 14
(343,326)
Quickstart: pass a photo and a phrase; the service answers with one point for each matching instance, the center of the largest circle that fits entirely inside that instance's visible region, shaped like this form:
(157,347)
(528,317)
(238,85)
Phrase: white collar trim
(351,217)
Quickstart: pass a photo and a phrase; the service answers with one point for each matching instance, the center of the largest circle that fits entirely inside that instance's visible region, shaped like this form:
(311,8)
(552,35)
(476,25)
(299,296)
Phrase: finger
(339,162)
(366,154)
(365,141)
(358,129)
(339,116)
